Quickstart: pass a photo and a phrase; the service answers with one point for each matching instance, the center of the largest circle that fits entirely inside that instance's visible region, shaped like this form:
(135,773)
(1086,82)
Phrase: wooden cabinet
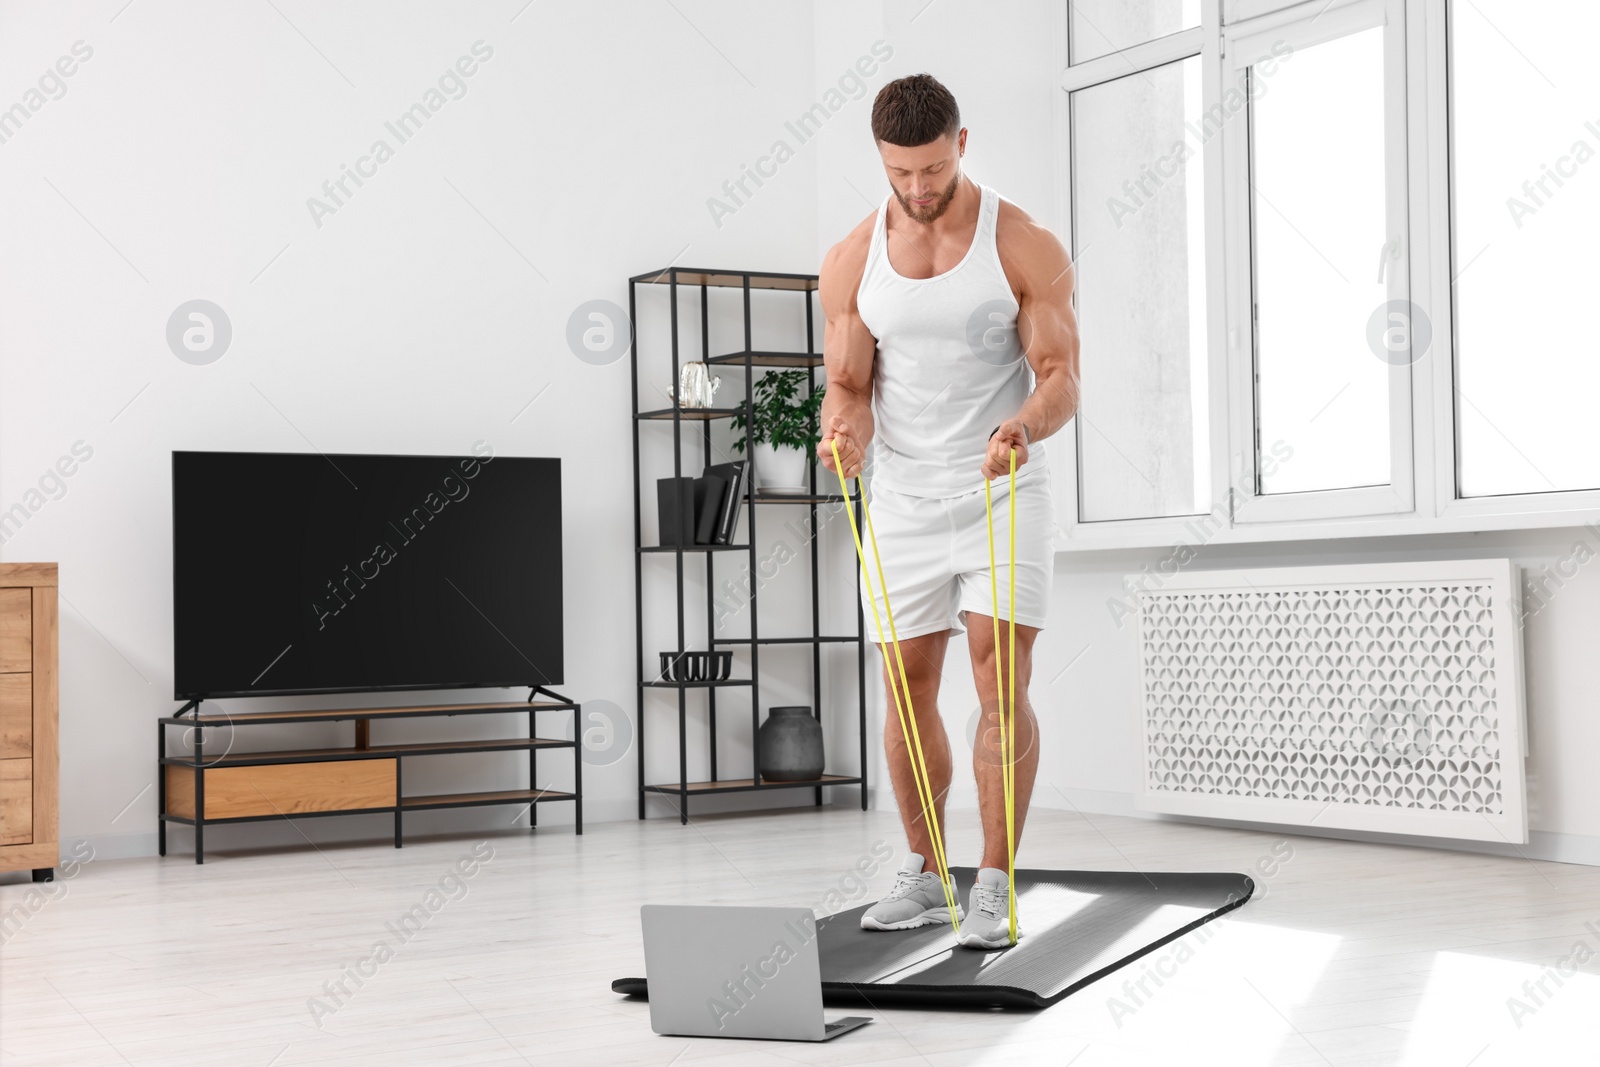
(28,761)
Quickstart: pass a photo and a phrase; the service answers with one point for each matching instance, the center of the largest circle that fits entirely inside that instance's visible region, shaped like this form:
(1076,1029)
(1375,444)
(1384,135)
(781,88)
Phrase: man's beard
(934,210)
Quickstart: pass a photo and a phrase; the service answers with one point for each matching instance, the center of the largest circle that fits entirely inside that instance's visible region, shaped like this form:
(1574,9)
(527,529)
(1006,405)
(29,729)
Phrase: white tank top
(949,368)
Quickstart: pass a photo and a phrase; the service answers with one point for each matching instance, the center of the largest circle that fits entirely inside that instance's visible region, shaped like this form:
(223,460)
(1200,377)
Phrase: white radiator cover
(1382,697)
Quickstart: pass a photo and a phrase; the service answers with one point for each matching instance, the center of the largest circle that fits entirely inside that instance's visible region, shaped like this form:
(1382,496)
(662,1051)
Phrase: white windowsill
(1167,533)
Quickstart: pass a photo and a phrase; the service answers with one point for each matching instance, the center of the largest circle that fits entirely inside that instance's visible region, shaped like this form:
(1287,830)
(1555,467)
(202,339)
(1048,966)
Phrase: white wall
(425,314)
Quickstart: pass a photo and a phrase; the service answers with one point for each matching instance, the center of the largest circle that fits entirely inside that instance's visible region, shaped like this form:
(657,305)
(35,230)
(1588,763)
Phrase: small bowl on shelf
(674,666)
(696,666)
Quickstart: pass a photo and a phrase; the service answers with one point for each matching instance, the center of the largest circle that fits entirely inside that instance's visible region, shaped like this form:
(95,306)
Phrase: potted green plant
(784,431)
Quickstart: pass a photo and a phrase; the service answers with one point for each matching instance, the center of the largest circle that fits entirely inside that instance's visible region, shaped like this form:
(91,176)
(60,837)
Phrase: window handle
(1390,250)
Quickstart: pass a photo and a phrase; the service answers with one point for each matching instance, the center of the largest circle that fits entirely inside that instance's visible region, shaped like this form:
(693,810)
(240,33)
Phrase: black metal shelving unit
(749,359)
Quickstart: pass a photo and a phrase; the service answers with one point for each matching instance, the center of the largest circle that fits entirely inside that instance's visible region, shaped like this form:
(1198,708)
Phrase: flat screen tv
(310,573)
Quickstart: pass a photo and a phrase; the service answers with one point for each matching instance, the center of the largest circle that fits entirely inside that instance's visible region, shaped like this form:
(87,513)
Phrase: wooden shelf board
(800,498)
(695,548)
(340,714)
(741,784)
(318,755)
(768,359)
(504,796)
(824,639)
(688,414)
(728,279)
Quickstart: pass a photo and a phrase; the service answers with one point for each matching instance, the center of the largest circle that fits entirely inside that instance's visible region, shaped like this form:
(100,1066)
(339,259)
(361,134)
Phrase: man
(949,341)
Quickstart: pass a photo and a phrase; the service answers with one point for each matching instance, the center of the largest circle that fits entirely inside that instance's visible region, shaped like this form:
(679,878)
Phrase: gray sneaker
(917,899)
(990,909)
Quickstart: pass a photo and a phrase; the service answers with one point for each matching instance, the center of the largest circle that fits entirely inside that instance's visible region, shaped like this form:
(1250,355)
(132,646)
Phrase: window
(1317,252)
(1332,271)
(1139,226)
(1100,27)
(1525,116)
(1317,186)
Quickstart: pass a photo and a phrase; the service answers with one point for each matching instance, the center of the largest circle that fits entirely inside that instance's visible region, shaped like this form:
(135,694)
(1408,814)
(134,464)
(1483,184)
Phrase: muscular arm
(848,348)
(1041,270)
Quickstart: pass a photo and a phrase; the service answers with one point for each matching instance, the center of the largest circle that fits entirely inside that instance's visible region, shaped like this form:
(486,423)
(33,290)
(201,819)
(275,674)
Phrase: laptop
(736,972)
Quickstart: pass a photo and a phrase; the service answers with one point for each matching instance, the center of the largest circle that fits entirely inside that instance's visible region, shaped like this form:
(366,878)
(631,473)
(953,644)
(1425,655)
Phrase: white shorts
(935,555)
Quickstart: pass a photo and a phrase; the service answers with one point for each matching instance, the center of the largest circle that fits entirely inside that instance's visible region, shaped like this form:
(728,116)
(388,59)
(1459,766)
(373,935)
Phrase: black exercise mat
(1076,926)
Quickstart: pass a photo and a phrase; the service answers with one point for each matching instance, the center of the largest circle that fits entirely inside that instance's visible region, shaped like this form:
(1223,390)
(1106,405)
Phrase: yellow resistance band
(908,719)
(1008,720)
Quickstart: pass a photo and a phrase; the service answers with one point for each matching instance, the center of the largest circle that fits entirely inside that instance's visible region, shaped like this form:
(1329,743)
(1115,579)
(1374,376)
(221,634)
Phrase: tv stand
(200,789)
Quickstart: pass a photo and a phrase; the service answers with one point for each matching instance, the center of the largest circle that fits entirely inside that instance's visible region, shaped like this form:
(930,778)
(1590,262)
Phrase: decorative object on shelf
(696,666)
(780,471)
(29,790)
(791,745)
(784,432)
(696,386)
(675,510)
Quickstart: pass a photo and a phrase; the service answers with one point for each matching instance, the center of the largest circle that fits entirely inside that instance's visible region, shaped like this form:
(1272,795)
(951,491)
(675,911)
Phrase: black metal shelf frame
(532,744)
(748,358)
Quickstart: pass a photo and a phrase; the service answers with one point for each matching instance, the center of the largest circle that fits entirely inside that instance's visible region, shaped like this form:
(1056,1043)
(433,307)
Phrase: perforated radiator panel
(1376,697)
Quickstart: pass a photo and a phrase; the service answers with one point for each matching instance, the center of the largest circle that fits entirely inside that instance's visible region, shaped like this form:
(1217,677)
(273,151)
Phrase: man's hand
(1011,434)
(839,432)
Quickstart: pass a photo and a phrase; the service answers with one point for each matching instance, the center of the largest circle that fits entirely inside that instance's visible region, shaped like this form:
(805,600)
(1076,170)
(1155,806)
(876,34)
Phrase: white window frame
(1424,496)
(1245,46)
(1569,507)
(1202,41)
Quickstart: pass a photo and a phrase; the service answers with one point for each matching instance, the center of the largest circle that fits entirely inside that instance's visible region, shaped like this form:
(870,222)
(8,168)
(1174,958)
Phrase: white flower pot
(780,470)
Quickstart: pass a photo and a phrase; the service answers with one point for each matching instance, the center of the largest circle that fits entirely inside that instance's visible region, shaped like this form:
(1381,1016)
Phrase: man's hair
(913,111)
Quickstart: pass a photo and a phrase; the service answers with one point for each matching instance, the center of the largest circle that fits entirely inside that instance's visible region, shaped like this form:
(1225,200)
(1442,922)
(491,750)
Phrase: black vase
(790,745)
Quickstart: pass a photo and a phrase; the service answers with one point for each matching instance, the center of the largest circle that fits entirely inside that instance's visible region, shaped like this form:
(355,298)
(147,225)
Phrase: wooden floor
(1350,953)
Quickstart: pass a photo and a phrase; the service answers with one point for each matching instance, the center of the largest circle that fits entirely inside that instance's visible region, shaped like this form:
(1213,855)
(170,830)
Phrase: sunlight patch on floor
(1504,1011)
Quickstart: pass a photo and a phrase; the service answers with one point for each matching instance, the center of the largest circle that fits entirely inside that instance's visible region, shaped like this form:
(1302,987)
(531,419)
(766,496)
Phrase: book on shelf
(710,493)
(675,509)
(733,475)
